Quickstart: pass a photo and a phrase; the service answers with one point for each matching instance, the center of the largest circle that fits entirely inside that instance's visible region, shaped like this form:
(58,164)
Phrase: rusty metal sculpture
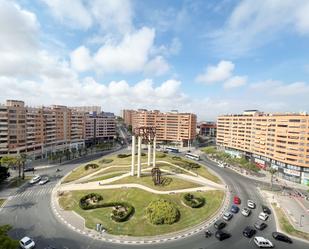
(156,176)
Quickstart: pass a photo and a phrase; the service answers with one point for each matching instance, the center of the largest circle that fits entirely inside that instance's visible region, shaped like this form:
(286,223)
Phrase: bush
(143,154)
(193,201)
(106,160)
(123,155)
(91,165)
(177,158)
(161,212)
(160,155)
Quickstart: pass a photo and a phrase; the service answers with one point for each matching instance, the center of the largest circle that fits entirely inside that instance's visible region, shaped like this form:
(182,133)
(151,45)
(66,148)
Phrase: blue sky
(208,57)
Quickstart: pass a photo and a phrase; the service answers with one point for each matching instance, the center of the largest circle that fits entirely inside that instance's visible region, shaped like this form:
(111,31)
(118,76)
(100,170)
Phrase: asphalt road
(30,214)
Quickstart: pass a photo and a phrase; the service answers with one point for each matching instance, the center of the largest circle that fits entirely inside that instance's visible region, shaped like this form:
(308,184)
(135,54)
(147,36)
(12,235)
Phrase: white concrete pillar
(139,148)
(149,154)
(133,156)
(154,152)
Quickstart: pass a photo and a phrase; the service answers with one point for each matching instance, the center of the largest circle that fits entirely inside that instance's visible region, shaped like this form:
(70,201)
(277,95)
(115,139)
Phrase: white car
(44,180)
(35,179)
(250,204)
(26,243)
(227,216)
(263,216)
(246,212)
(261,242)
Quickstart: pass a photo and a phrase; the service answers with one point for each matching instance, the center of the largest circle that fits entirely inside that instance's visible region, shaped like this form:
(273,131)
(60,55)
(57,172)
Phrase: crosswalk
(33,192)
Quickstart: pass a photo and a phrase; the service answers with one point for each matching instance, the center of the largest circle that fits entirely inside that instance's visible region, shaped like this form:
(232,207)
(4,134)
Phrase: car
(44,180)
(26,243)
(246,211)
(248,232)
(234,209)
(266,209)
(250,204)
(222,235)
(263,216)
(261,242)
(35,179)
(281,237)
(29,169)
(259,225)
(219,224)
(227,216)
(236,200)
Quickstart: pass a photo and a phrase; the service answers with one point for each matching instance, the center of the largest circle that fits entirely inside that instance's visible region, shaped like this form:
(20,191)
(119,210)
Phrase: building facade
(127,116)
(179,128)
(208,129)
(39,131)
(280,141)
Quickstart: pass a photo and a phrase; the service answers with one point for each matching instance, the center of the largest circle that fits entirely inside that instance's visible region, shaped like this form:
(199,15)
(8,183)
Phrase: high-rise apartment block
(173,126)
(278,140)
(127,116)
(38,131)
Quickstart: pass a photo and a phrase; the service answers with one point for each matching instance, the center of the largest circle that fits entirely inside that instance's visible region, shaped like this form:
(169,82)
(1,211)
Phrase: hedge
(106,160)
(193,201)
(123,155)
(116,216)
(91,165)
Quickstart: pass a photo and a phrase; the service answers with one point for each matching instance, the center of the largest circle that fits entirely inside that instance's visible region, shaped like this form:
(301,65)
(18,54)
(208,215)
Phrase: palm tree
(22,158)
(272,171)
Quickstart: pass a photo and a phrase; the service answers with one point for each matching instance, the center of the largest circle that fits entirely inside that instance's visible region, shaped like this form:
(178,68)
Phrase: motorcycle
(208,233)
(58,170)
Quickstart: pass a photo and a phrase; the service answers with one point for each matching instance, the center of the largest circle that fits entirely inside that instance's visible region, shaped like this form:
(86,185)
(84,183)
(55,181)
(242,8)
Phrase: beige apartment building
(127,116)
(179,128)
(38,131)
(278,140)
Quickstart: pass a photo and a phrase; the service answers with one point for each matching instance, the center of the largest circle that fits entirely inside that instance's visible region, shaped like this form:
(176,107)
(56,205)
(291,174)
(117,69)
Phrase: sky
(209,57)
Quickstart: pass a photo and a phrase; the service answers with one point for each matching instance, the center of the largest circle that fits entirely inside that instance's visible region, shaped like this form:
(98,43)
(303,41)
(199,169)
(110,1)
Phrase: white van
(261,242)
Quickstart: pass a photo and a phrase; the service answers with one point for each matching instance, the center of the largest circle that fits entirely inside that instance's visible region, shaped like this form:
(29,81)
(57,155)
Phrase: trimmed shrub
(123,155)
(106,160)
(143,154)
(193,201)
(160,155)
(177,158)
(91,165)
(161,212)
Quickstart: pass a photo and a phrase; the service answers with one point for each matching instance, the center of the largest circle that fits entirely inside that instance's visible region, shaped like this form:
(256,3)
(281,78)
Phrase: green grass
(17,182)
(171,184)
(138,224)
(2,201)
(106,176)
(113,169)
(286,226)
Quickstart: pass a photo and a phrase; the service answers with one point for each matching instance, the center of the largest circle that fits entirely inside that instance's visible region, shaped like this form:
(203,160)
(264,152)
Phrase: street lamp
(300,219)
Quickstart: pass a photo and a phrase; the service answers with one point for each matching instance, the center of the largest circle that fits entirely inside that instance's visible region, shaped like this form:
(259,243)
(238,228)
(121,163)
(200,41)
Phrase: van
(261,242)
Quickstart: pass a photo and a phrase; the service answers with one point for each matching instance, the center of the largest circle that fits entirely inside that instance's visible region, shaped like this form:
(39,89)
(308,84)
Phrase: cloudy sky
(209,57)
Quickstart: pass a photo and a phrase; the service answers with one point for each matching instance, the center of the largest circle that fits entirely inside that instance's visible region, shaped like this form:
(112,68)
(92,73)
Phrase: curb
(141,240)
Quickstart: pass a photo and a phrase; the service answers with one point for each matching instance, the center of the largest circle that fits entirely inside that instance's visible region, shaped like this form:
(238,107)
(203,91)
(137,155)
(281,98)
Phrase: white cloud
(235,81)
(255,23)
(157,66)
(218,73)
(81,59)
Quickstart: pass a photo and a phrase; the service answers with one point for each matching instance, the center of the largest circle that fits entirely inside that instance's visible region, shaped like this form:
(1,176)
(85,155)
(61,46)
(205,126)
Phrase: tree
(22,159)
(5,241)
(272,171)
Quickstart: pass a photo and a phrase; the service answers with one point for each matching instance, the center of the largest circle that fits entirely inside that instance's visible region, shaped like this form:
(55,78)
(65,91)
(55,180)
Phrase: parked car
(26,243)
(263,216)
(261,242)
(29,169)
(250,204)
(222,235)
(281,237)
(246,211)
(44,180)
(35,179)
(227,216)
(234,209)
(248,232)
(260,225)
(236,200)
(219,224)
(266,209)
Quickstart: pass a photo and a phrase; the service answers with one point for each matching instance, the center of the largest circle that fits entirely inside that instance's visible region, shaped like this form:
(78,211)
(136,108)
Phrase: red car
(236,200)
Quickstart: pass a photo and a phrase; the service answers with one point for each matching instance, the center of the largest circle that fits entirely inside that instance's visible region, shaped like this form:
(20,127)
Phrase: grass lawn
(17,182)
(171,183)
(286,226)
(1,202)
(138,225)
(106,176)
(113,169)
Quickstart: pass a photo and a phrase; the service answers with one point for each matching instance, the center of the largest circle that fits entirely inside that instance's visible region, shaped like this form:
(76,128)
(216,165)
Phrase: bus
(171,149)
(192,156)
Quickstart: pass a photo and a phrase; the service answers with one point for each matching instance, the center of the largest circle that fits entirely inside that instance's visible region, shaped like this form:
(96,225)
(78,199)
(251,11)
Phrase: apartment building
(179,128)
(127,116)
(38,131)
(208,129)
(87,109)
(278,140)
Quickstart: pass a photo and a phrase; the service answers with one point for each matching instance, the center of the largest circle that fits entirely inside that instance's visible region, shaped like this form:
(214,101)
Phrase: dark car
(28,169)
(219,224)
(260,225)
(221,235)
(266,209)
(249,232)
(281,237)
(234,209)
